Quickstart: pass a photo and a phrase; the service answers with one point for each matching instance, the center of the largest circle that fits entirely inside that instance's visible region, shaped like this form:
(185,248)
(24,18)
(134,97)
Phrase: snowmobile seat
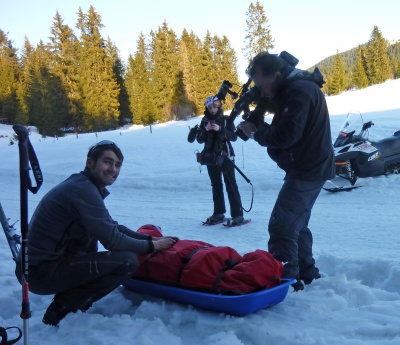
(389,146)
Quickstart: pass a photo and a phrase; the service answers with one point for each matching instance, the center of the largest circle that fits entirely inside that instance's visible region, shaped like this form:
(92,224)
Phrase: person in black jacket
(64,232)
(299,141)
(217,133)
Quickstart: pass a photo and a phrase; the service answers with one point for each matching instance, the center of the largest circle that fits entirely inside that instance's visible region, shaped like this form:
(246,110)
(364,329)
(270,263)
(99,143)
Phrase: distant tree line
(80,84)
(368,64)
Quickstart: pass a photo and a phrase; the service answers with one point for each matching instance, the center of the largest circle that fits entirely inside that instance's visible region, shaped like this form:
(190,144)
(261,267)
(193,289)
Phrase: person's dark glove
(193,133)
(247,128)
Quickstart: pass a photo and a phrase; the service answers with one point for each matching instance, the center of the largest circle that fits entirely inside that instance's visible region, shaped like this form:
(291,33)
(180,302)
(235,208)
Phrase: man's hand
(163,243)
(160,238)
(247,127)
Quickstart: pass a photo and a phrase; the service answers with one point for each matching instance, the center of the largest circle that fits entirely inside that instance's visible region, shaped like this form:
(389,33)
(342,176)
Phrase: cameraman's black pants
(228,171)
(80,280)
(291,240)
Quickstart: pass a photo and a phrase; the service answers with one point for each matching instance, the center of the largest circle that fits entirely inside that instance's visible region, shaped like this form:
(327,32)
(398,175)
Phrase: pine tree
(164,71)
(189,50)
(206,79)
(338,81)
(9,74)
(125,113)
(97,80)
(25,82)
(394,57)
(396,70)
(64,47)
(141,98)
(258,35)
(182,106)
(377,60)
(225,62)
(360,78)
(47,100)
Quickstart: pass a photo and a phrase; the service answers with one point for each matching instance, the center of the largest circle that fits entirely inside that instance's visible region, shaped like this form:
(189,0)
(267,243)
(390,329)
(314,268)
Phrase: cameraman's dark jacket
(217,142)
(299,137)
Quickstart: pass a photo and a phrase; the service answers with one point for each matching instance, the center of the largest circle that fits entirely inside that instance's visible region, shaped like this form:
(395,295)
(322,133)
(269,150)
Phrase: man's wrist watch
(252,134)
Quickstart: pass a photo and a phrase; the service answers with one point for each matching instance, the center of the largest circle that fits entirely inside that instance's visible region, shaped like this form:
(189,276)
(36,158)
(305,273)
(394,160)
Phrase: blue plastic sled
(239,305)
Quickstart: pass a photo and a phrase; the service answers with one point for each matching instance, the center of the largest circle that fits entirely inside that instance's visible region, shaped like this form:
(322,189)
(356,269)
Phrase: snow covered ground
(356,240)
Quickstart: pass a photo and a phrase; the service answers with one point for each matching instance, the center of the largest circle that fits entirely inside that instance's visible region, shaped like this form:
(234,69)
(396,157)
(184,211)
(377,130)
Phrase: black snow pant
(290,239)
(228,171)
(80,280)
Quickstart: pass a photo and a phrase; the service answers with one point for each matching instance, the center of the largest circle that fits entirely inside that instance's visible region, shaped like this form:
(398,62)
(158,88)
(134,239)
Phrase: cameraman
(216,133)
(299,141)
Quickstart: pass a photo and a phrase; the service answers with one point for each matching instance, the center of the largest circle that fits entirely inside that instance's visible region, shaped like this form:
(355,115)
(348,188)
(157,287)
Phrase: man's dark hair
(97,150)
(265,62)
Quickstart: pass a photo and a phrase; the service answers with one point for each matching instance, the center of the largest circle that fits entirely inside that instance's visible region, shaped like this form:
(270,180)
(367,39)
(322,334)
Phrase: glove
(193,133)
(247,128)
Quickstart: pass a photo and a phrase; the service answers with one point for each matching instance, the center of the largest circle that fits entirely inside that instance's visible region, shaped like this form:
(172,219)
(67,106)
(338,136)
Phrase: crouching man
(64,233)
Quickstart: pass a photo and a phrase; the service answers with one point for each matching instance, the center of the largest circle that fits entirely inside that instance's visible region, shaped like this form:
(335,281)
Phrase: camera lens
(223,90)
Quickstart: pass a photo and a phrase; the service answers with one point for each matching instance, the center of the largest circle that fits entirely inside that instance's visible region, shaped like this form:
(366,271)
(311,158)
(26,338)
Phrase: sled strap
(4,338)
(147,260)
(229,264)
(186,259)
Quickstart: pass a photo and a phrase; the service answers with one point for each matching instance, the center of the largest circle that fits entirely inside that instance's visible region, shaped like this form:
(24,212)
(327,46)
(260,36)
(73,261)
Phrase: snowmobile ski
(341,189)
(246,221)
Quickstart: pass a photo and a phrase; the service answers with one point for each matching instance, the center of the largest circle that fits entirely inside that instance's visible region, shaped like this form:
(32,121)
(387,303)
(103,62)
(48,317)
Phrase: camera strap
(247,180)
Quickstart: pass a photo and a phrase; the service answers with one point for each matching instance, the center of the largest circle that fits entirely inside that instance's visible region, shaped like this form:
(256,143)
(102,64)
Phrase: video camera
(224,90)
(248,96)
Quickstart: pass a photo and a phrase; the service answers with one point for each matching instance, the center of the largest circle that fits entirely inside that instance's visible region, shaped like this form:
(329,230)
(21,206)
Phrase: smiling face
(105,169)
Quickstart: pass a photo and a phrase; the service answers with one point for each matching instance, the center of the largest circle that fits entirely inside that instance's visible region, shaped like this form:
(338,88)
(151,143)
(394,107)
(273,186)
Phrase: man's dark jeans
(80,280)
(290,239)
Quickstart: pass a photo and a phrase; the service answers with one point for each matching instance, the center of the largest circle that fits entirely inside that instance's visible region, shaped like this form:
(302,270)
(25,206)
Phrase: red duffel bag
(255,271)
(201,266)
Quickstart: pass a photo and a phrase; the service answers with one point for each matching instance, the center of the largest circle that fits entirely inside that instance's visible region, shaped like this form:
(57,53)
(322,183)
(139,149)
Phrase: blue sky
(311,30)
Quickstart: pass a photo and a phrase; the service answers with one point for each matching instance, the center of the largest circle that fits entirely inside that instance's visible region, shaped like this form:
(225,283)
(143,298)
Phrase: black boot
(308,274)
(55,313)
(298,285)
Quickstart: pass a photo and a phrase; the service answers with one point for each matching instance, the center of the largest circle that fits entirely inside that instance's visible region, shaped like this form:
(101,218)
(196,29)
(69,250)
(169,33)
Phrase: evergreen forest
(79,83)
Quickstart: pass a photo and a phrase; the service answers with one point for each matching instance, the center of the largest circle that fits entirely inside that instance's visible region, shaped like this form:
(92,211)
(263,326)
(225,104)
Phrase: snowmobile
(357,157)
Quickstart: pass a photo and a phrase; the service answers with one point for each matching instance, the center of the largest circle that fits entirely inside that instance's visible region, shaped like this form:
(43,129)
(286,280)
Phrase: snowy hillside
(356,239)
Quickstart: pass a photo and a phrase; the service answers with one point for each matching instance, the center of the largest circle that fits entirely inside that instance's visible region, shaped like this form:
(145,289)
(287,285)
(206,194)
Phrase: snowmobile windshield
(352,124)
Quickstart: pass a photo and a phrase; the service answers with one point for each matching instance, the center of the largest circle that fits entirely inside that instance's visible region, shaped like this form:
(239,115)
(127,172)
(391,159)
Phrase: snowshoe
(215,219)
(237,221)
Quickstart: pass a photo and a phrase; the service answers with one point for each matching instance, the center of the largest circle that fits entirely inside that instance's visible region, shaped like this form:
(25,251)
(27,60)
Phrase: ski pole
(26,155)
(14,240)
